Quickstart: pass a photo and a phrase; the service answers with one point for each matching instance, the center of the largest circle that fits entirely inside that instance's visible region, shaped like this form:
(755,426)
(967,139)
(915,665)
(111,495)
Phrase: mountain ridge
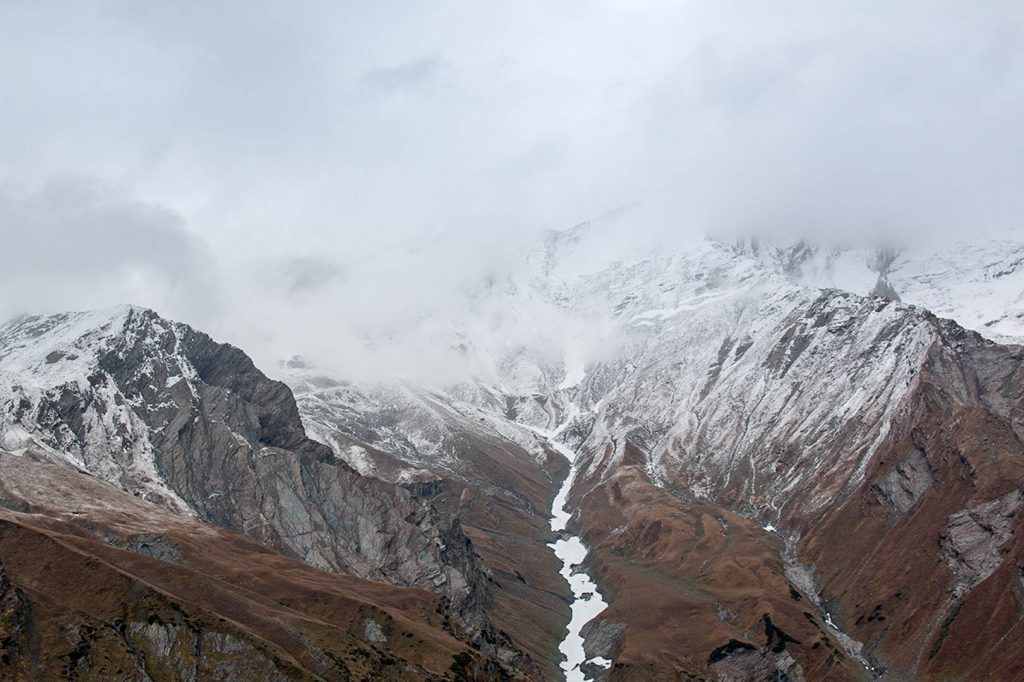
(730,424)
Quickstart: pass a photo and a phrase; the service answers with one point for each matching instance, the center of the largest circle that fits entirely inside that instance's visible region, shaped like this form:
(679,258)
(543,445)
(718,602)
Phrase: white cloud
(344,134)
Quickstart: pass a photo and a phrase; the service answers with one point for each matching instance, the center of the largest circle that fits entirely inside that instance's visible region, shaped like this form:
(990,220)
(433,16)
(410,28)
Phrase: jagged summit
(978,283)
(52,349)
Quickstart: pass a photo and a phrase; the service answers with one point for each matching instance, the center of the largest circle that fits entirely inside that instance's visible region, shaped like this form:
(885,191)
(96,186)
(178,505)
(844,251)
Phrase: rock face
(163,411)
(974,537)
(902,487)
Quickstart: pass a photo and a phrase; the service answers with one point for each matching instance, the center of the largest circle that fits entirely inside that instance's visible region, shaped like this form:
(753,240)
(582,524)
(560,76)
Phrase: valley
(762,480)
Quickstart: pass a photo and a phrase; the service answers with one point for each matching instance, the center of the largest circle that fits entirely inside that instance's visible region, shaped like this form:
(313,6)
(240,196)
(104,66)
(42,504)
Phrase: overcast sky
(172,153)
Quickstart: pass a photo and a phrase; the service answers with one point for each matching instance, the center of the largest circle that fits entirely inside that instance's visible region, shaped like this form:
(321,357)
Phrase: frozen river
(587,601)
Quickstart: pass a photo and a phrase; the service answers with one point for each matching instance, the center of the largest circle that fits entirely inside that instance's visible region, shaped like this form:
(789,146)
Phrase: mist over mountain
(377,162)
(455,341)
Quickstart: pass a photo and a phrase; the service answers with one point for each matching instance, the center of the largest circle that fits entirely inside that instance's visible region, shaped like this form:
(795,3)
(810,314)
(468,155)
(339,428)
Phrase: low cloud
(76,242)
(330,194)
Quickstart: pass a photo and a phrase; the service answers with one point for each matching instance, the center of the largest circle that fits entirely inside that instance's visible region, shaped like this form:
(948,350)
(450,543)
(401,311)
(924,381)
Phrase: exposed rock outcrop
(974,537)
(908,480)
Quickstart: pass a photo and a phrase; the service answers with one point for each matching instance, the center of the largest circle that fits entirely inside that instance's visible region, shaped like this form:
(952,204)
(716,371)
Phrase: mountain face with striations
(877,444)
(785,466)
(162,412)
(782,468)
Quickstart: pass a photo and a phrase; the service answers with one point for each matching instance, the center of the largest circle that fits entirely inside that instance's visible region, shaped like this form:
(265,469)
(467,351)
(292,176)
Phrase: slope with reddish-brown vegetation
(920,558)
(98,584)
(925,561)
(697,592)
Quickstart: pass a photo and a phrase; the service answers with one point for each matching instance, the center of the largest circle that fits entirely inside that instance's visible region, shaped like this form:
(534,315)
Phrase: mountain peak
(51,350)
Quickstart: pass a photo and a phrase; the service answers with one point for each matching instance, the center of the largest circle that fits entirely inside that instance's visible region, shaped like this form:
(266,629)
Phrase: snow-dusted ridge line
(978,283)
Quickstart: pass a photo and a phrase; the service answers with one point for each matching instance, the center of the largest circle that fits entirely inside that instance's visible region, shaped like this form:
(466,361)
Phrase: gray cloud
(303,275)
(75,242)
(411,75)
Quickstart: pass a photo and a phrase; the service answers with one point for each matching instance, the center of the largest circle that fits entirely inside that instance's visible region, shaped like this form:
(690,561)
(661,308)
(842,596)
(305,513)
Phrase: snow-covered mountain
(784,462)
(782,384)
